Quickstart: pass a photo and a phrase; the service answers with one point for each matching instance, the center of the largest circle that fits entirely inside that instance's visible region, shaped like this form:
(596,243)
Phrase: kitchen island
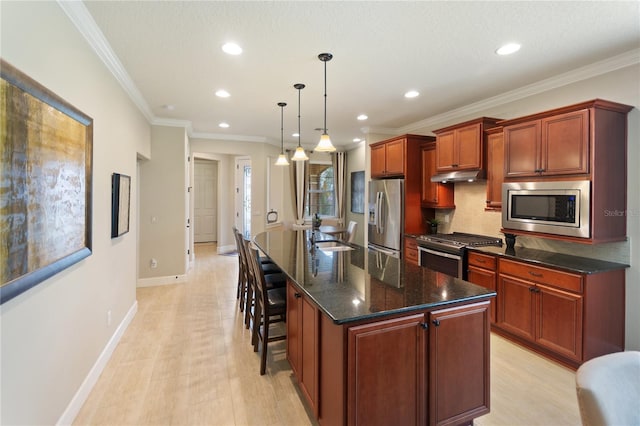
(374,340)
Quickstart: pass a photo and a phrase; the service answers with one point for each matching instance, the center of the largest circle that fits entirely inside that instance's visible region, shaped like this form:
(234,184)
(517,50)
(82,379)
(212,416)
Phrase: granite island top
(581,265)
(361,284)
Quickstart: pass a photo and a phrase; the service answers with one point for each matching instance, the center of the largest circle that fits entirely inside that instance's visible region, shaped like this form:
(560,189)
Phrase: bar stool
(270,307)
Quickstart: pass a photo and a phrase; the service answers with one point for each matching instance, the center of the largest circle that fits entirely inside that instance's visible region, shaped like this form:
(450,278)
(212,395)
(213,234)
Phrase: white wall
(356,162)
(52,335)
(163,213)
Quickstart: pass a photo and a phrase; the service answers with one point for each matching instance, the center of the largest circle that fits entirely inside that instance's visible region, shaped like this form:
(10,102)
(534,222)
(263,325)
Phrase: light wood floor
(186,359)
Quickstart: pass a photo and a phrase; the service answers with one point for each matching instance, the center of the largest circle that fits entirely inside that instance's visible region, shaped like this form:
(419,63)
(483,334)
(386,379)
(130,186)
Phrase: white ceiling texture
(168,55)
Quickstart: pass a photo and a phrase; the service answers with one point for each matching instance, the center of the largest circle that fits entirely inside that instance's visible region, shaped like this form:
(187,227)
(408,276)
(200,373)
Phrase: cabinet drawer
(482,261)
(538,274)
(411,255)
(410,244)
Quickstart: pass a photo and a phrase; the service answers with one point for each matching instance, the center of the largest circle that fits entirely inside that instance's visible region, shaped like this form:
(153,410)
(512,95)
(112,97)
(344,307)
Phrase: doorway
(243,196)
(205,187)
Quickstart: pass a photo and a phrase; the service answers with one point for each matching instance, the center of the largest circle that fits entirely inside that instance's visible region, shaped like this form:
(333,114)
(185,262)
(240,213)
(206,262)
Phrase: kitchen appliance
(386,215)
(448,252)
(557,207)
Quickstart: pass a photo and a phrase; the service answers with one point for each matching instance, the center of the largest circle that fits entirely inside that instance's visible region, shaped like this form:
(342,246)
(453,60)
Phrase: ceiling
(168,56)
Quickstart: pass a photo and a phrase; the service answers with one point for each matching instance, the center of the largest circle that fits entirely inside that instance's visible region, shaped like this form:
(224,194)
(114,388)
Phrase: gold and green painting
(45,183)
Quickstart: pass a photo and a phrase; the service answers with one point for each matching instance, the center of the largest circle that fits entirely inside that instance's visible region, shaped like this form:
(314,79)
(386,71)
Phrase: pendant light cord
(325,97)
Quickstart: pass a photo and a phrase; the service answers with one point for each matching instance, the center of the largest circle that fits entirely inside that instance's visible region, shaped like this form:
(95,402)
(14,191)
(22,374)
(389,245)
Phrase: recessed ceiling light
(231,49)
(222,93)
(508,49)
(295,135)
(223,125)
(356,140)
(362,117)
(168,107)
(411,94)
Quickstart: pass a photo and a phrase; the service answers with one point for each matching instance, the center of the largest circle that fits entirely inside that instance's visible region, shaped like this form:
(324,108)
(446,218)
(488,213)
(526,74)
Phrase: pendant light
(282,159)
(299,155)
(325,144)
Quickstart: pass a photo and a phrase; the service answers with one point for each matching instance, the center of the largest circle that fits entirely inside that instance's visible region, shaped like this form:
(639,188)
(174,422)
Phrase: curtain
(298,187)
(339,160)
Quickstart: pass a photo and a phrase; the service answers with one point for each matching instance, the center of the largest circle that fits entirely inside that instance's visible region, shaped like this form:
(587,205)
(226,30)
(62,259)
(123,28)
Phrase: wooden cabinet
(461,147)
(551,146)
(302,343)
(458,353)
(387,385)
(567,316)
(495,168)
(434,195)
(399,157)
(482,271)
(411,250)
(388,158)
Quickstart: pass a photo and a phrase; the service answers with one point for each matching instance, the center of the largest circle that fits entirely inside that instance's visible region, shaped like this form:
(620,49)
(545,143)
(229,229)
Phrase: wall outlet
(108,317)
(153,263)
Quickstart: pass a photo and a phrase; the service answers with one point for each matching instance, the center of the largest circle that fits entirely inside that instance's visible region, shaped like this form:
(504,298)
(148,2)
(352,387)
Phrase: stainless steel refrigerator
(386,215)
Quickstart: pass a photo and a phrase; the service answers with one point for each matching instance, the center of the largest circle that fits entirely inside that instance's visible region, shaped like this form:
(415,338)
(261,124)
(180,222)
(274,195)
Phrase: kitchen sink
(328,246)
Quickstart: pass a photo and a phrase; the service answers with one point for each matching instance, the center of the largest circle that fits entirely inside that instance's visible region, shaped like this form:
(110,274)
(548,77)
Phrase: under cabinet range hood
(459,176)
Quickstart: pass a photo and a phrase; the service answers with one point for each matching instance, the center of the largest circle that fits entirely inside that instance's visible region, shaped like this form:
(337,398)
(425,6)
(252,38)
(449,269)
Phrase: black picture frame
(46,173)
(357,192)
(120,204)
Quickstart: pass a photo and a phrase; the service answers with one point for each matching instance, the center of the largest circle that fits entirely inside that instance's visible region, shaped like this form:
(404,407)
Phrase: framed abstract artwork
(120,204)
(357,192)
(46,155)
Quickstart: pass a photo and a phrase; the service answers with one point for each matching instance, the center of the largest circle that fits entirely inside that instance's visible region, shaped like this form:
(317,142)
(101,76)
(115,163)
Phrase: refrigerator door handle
(378,218)
(382,220)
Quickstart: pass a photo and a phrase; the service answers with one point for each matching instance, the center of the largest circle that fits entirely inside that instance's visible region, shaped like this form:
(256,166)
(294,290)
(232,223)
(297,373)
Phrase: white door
(205,187)
(243,196)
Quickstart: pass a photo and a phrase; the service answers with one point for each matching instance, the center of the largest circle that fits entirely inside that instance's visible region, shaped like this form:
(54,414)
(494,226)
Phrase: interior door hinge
(188,251)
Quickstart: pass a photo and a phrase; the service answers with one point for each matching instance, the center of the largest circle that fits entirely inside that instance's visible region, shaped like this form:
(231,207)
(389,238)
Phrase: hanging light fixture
(282,159)
(325,144)
(299,155)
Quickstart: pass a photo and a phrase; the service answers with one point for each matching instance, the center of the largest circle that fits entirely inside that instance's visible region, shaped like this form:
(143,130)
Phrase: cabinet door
(522,149)
(377,160)
(468,144)
(495,170)
(458,364)
(516,306)
(384,357)
(293,328)
(565,143)
(559,322)
(308,378)
(411,250)
(445,151)
(395,157)
(486,279)
(429,189)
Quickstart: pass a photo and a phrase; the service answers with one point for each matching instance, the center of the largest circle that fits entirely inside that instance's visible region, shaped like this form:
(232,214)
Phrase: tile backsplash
(470,216)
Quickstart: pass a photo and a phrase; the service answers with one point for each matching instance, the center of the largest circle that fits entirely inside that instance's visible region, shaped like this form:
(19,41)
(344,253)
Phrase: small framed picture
(120,203)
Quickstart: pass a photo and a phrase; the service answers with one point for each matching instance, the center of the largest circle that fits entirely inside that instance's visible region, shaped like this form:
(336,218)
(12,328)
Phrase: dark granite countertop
(362,284)
(581,265)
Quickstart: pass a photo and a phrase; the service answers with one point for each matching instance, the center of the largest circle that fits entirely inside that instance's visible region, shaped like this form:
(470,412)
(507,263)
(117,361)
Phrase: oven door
(451,264)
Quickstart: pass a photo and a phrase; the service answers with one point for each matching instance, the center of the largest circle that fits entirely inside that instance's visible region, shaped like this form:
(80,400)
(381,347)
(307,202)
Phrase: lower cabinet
(302,343)
(427,367)
(482,271)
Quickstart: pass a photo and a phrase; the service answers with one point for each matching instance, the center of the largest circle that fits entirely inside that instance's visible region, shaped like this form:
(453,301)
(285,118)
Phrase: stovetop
(457,240)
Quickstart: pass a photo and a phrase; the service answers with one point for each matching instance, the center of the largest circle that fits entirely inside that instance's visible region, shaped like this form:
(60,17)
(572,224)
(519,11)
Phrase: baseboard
(226,249)
(170,279)
(78,400)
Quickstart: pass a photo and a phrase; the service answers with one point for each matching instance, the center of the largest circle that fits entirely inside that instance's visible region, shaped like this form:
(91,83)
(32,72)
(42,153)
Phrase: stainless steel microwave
(558,207)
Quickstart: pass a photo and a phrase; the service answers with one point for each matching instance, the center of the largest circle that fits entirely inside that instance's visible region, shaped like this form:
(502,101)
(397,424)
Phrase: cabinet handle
(481,261)
(535,274)
(297,295)
(454,165)
(424,325)
(532,289)
(436,322)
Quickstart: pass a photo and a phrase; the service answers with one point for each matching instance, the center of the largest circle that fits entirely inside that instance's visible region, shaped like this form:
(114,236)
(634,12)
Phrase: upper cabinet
(495,168)
(434,194)
(461,147)
(550,146)
(569,141)
(388,158)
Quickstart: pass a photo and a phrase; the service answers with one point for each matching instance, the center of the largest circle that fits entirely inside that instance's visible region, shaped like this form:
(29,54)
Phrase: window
(320,192)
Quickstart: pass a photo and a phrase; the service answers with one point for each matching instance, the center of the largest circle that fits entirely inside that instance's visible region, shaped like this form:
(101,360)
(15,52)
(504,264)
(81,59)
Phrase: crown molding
(614,63)
(86,25)
(379,130)
(226,137)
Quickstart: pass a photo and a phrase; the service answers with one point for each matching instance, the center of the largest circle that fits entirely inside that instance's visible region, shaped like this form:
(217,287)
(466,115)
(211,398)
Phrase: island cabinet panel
(459,364)
(386,372)
(302,343)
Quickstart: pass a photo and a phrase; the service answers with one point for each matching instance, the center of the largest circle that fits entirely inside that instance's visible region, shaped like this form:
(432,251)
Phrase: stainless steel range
(448,252)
